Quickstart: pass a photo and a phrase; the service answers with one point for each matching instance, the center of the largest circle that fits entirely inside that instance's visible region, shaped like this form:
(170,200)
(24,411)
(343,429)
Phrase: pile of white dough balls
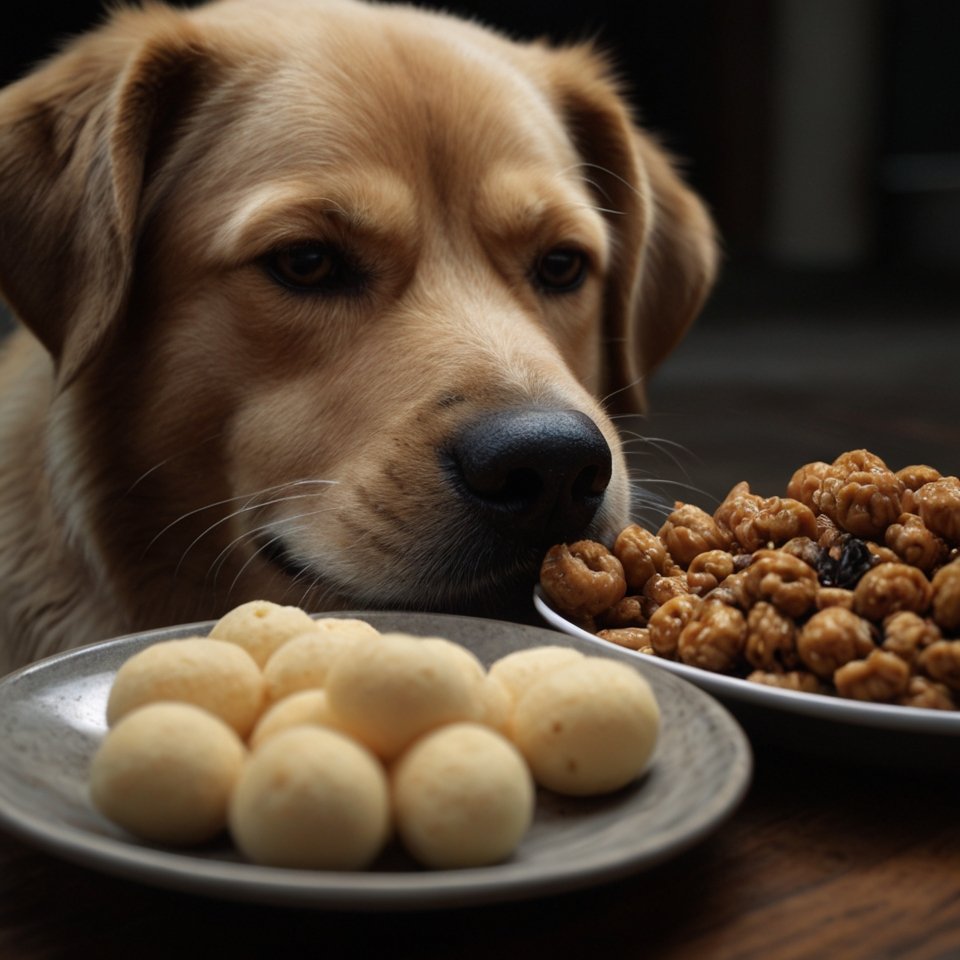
(314,742)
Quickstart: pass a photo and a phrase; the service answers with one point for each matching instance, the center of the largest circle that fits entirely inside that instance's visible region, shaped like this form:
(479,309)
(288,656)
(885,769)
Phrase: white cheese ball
(519,670)
(261,627)
(304,661)
(219,677)
(587,728)
(462,796)
(165,773)
(308,707)
(497,704)
(387,694)
(311,798)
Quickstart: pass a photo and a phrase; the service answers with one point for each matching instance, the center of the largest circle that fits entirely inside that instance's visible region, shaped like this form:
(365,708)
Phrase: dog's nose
(538,473)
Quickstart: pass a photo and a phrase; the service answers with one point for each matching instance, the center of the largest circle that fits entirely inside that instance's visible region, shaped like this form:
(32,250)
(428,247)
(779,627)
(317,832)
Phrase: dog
(324,303)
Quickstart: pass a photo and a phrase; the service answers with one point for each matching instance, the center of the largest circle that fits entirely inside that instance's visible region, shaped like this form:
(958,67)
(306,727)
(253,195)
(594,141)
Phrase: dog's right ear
(77,139)
(665,248)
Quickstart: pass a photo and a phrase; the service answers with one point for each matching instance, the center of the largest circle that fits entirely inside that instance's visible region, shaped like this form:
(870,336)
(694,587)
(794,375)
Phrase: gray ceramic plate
(52,719)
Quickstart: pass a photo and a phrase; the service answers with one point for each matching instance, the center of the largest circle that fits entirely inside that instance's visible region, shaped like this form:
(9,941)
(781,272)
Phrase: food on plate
(311,798)
(303,662)
(587,728)
(388,694)
(463,797)
(813,591)
(496,703)
(363,736)
(166,773)
(219,677)
(261,627)
(517,671)
(306,707)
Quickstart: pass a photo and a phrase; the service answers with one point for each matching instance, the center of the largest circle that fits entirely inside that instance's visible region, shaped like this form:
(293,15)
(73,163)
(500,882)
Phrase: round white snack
(311,798)
(587,728)
(308,707)
(261,627)
(497,703)
(519,670)
(165,772)
(387,694)
(219,677)
(303,662)
(463,797)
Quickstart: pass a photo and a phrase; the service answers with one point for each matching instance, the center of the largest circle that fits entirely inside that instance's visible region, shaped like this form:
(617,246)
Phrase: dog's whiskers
(249,497)
(253,503)
(610,173)
(175,456)
(629,386)
(255,533)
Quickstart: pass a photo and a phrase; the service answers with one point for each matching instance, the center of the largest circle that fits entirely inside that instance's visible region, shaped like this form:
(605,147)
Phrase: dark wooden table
(822,860)
(833,854)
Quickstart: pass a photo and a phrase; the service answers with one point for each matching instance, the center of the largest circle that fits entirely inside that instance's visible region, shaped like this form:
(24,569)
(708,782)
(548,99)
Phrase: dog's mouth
(469,586)
(511,484)
(277,553)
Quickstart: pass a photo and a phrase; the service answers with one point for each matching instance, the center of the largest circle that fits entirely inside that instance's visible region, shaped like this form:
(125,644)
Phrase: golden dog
(321,302)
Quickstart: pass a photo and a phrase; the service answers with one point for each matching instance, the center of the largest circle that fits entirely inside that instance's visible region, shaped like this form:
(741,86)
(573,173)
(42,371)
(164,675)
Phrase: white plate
(879,716)
(52,719)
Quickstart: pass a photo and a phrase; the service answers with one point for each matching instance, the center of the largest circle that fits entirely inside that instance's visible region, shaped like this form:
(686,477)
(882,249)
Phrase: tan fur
(168,407)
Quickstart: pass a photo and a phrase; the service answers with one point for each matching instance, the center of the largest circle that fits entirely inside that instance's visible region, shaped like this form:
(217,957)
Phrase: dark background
(825,136)
(824,133)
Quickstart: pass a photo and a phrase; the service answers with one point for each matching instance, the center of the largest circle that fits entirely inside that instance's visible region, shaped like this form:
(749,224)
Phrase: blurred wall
(824,133)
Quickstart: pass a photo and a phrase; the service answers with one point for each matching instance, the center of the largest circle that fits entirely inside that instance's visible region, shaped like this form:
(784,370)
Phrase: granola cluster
(849,584)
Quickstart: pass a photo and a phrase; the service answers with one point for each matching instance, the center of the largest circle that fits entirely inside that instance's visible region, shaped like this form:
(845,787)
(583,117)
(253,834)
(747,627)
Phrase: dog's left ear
(665,249)
(77,137)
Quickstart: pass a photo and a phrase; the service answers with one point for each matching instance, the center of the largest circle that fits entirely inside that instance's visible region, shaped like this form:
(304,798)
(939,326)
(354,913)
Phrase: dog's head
(335,296)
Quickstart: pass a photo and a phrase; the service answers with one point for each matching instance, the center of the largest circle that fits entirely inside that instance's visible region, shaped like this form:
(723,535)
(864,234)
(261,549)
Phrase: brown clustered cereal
(641,554)
(668,621)
(582,579)
(946,596)
(690,531)
(849,584)
(832,638)
(881,677)
(911,540)
(715,638)
(938,504)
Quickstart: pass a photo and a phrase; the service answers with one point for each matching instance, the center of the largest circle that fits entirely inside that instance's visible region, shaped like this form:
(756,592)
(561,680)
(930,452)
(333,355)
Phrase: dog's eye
(313,267)
(561,270)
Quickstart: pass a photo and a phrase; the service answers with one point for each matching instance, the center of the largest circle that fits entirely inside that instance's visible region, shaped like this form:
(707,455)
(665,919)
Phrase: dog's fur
(171,410)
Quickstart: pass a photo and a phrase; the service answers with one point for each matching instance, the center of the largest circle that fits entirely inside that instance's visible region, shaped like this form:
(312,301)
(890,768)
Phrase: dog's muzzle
(534,475)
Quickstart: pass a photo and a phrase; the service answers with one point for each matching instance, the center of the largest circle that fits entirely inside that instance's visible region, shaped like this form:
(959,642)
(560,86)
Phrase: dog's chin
(501,592)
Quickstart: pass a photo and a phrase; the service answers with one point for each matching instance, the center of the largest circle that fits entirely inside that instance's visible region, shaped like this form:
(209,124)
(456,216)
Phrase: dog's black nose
(537,473)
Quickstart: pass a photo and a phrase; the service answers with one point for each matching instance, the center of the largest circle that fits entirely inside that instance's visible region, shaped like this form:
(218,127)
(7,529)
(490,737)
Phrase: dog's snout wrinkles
(539,473)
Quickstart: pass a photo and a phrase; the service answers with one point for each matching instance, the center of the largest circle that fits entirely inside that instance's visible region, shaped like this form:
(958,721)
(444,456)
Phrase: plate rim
(363,890)
(882,716)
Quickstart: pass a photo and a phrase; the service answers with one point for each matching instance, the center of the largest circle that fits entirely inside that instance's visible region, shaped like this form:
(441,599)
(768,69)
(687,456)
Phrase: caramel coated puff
(946,596)
(583,579)
(938,504)
(642,554)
